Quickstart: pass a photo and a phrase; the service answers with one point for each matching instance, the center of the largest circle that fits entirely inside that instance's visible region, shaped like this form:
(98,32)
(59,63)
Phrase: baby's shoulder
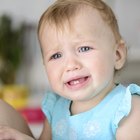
(129,127)
(135,110)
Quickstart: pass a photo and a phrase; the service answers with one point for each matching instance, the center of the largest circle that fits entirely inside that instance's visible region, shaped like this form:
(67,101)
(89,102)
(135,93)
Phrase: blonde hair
(63,10)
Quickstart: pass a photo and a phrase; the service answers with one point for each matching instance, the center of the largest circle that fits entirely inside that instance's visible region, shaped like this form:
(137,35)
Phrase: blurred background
(22,76)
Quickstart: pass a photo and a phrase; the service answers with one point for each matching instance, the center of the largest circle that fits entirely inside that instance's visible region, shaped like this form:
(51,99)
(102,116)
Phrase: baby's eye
(84,49)
(56,56)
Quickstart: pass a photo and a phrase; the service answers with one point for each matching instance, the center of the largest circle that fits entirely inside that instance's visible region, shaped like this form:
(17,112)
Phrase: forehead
(86,24)
(84,15)
(88,17)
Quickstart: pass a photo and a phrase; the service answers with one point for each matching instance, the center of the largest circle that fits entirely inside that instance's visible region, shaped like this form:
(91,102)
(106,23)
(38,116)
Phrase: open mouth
(78,83)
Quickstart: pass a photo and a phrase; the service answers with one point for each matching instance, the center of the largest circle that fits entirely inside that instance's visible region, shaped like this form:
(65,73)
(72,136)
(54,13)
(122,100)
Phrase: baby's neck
(77,107)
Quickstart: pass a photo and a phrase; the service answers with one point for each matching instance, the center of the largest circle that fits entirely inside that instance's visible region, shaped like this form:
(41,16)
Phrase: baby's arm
(11,118)
(129,128)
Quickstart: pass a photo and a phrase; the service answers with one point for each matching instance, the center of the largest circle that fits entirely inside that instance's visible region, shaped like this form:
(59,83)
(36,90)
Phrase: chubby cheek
(102,70)
(53,77)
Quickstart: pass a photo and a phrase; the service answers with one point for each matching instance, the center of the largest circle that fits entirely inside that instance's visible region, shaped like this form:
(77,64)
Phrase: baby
(82,51)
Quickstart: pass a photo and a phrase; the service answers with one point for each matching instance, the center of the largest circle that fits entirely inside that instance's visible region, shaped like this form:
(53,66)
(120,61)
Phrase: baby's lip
(76,79)
(77,83)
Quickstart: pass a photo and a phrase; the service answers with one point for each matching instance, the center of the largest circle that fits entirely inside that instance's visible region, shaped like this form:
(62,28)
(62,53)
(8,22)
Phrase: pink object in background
(32,115)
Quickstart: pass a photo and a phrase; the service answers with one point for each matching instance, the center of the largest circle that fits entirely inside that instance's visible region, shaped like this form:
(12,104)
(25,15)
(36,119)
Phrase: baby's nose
(73,64)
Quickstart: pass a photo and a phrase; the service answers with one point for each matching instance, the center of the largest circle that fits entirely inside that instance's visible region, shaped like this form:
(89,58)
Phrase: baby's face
(80,58)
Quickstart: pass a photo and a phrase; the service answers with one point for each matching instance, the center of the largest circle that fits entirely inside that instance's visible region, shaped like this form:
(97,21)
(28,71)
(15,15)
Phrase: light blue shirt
(99,123)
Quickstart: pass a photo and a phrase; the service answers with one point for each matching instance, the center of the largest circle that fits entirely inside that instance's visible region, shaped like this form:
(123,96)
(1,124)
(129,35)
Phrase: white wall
(129,20)
(28,10)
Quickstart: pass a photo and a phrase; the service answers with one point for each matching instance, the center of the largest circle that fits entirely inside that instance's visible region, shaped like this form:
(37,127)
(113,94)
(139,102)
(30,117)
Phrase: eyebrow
(51,50)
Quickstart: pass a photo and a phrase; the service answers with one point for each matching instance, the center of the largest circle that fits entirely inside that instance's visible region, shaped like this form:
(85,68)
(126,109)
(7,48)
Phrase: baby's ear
(121,52)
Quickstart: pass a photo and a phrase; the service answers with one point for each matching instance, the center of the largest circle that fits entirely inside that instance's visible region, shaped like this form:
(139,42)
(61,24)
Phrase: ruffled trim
(48,104)
(134,89)
(125,105)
